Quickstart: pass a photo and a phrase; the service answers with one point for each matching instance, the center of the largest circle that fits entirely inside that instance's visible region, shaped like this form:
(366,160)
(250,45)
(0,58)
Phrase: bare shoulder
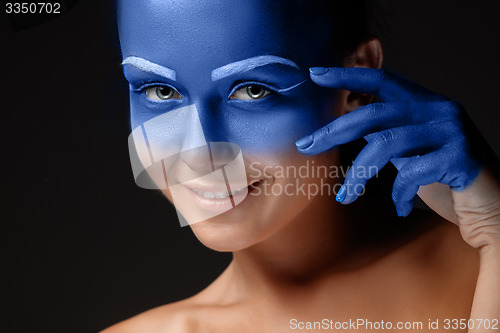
(183,316)
(172,317)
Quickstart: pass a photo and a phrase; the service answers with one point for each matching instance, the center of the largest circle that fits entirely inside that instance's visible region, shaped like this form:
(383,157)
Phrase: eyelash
(273,89)
(145,85)
(141,87)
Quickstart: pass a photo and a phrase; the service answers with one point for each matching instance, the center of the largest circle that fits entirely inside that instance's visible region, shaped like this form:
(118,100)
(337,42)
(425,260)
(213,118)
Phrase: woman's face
(244,66)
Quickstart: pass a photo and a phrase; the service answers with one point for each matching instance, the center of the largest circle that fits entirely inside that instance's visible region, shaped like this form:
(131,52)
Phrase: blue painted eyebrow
(150,67)
(248,64)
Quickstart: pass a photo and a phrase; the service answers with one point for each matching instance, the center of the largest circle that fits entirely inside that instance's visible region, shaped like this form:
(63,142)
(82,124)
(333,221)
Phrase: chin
(246,226)
(232,230)
(226,234)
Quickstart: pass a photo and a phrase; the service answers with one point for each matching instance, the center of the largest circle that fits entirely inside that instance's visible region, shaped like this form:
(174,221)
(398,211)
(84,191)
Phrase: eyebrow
(150,67)
(248,64)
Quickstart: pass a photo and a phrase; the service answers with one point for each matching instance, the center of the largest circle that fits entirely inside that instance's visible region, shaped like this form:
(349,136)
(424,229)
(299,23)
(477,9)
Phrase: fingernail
(305,142)
(399,213)
(318,70)
(341,195)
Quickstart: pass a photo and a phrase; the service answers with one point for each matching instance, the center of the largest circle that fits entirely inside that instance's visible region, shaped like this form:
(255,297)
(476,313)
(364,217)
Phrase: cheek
(268,133)
(138,113)
(276,128)
(142,111)
(136,117)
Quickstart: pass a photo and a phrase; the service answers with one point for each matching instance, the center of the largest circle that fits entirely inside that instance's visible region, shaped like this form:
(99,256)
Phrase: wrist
(490,251)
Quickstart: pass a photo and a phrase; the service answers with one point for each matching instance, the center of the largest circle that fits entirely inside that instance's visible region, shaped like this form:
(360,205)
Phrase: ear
(369,54)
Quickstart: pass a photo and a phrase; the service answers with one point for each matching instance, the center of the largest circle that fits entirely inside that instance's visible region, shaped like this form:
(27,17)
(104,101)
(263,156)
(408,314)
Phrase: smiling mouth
(219,195)
(198,201)
(216,195)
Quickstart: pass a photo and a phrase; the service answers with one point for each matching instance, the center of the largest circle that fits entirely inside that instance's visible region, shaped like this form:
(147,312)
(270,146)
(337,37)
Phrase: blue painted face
(244,64)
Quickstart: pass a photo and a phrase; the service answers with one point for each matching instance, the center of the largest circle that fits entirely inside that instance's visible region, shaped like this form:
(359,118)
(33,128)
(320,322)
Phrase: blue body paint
(205,50)
(420,132)
(231,44)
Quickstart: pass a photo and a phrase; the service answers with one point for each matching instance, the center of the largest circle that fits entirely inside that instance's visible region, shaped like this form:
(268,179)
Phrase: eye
(251,92)
(162,93)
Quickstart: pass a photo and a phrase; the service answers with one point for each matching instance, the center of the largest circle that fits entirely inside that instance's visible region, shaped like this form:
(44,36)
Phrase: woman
(287,83)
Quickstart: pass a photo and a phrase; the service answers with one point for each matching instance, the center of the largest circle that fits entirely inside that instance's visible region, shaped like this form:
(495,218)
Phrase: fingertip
(305,142)
(350,191)
(327,77)
(341,194)
(314,148)
(404,210)
(398,212)
(306,152)
(305,145)
(318,71)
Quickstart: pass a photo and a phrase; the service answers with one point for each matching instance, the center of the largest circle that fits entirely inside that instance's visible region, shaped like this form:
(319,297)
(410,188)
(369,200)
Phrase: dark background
(82,246)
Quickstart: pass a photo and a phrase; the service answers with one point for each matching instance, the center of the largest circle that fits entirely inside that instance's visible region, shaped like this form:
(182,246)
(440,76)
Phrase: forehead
(209,34)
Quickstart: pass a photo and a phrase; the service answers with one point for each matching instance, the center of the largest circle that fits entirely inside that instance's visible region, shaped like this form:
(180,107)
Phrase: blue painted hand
(420,132)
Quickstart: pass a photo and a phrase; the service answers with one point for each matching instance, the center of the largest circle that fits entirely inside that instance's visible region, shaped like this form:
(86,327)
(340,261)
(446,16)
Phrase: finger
(418,171)
(371,81)
(354,125)
(368,119)
(384,146)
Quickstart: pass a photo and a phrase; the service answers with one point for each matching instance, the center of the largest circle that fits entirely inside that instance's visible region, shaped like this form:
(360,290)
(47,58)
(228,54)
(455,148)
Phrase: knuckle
(384,138)
(375,110)
(410,172)
(406,180)
(395,196)
(396,192)
(404,175)
(327,130)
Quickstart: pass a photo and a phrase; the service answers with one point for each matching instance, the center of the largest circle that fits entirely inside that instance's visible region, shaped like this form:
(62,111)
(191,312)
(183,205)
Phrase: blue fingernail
(305,142)
(399,213)
(318,70)
(341,195)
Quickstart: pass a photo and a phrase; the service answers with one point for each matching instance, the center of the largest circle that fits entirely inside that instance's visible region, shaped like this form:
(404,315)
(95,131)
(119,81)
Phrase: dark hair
(353,23)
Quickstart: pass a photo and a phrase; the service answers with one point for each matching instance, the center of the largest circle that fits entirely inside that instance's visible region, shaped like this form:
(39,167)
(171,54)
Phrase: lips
(219,191)
(202,200)
(216,195)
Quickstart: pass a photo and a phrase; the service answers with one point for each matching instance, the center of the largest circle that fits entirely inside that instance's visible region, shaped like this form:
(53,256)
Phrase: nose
(211,119)
(198,159)
(201,159)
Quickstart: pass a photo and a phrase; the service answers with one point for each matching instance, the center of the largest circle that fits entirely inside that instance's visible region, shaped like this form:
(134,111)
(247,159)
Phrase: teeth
(216,195)
(239,190)
(208,195)
(221,195)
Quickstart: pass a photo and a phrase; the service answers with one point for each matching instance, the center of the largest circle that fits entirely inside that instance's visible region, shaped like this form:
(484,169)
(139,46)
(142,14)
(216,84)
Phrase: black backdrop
(82,246)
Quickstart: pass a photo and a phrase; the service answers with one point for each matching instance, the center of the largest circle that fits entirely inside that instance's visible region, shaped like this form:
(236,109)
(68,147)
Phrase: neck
(320,243)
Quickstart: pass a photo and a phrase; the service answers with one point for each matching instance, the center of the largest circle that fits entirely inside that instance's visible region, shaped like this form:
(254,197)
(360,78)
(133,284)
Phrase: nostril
(223,153)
